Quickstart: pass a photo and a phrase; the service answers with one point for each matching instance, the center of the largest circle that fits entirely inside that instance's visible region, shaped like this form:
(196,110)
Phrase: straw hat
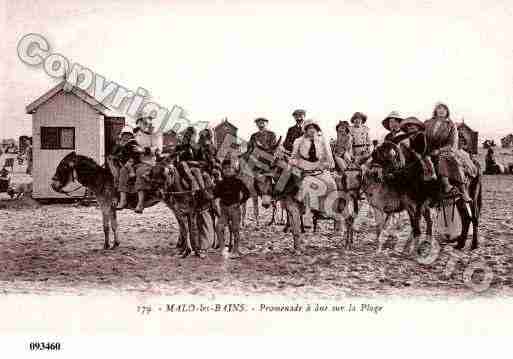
(395,115)
(309,123)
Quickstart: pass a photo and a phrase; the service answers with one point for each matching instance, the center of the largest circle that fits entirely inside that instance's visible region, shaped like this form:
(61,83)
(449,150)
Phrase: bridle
(74,177)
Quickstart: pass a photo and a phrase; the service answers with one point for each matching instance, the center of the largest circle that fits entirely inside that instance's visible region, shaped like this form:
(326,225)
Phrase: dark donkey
(100,181)
(192,209)
(407,190)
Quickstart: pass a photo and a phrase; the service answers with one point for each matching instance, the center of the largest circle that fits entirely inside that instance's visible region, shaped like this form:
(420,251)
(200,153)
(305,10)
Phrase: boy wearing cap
(232,193)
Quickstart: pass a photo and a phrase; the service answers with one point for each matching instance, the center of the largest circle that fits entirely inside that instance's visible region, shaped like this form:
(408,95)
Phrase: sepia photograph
(172,167)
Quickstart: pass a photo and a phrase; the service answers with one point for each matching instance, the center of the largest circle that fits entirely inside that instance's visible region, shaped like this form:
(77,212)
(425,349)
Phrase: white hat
(126,129)
(309,123)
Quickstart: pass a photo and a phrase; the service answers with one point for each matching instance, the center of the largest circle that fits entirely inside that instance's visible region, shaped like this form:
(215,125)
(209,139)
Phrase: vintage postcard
(254,168)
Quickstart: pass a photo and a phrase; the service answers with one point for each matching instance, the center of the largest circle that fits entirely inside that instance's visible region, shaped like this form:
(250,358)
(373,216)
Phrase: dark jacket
(293,133)
(229,191)
(392,136)
(418,142)
(131,149)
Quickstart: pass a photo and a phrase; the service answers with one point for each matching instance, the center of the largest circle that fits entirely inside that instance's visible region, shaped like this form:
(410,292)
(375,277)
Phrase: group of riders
(436,144)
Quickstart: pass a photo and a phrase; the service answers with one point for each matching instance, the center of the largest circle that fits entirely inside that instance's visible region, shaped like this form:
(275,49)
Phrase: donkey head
(65,172)
(389,155)
(264,187)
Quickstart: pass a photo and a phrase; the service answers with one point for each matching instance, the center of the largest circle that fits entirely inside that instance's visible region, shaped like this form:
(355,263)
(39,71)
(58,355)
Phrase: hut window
(57,138)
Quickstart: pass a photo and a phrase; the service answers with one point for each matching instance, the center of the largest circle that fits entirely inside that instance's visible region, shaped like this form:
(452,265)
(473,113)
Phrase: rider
(360,133)
(442,139)
(128,152)
(264,139)
(312,154)
(343,148)
(490,161)
(393,124)
(295,131)
(189,159)
(414,139)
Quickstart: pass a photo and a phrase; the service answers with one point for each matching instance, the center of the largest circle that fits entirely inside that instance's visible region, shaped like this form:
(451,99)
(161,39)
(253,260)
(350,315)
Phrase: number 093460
(45,346)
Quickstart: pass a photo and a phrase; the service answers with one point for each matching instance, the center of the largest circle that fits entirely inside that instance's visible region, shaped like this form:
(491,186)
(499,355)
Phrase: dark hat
(412,121)
(261,119)
(342,123)
(298,112)
(360,115)
(393,114)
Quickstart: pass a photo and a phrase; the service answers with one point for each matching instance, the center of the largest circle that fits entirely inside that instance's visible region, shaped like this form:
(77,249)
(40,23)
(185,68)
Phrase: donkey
(405,190)
(191,208)
(285,182)
(99,180)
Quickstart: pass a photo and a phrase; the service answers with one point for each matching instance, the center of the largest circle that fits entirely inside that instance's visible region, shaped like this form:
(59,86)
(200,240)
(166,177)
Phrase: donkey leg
(106,227)
(429,222)
(187,246)
(349,223)
(382,220)
(183,233)
(465,224)
(272,221)
(255,210)
(287,224)
(475,234)
(294,215)
(243,214)
(114,225)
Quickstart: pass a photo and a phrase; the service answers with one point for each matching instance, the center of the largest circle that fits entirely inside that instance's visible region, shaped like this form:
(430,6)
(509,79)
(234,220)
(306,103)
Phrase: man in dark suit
(295,131)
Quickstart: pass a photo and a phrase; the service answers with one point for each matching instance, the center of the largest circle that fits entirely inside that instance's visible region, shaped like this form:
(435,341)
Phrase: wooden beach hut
(64,120)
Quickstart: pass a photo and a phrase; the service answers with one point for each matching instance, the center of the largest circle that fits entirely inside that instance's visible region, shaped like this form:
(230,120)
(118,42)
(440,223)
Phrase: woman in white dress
(312,154)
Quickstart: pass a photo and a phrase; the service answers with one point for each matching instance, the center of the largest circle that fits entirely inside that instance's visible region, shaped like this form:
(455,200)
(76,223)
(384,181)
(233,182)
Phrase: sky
(245,59)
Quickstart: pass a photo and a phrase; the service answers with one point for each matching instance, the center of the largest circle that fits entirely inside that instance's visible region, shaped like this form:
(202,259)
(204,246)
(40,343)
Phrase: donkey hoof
(115,245)
(106,246)
(473,247)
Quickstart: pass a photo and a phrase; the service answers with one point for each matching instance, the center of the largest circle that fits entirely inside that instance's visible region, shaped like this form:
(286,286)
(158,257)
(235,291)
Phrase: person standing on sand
(28,155)
(232,192)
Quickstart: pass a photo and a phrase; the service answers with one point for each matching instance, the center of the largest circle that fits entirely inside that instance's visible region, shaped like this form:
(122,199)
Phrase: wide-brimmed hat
(342,123)
(298,112)
(261,119)
(394,114)
(412,120)
(359,115)
(309,123)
